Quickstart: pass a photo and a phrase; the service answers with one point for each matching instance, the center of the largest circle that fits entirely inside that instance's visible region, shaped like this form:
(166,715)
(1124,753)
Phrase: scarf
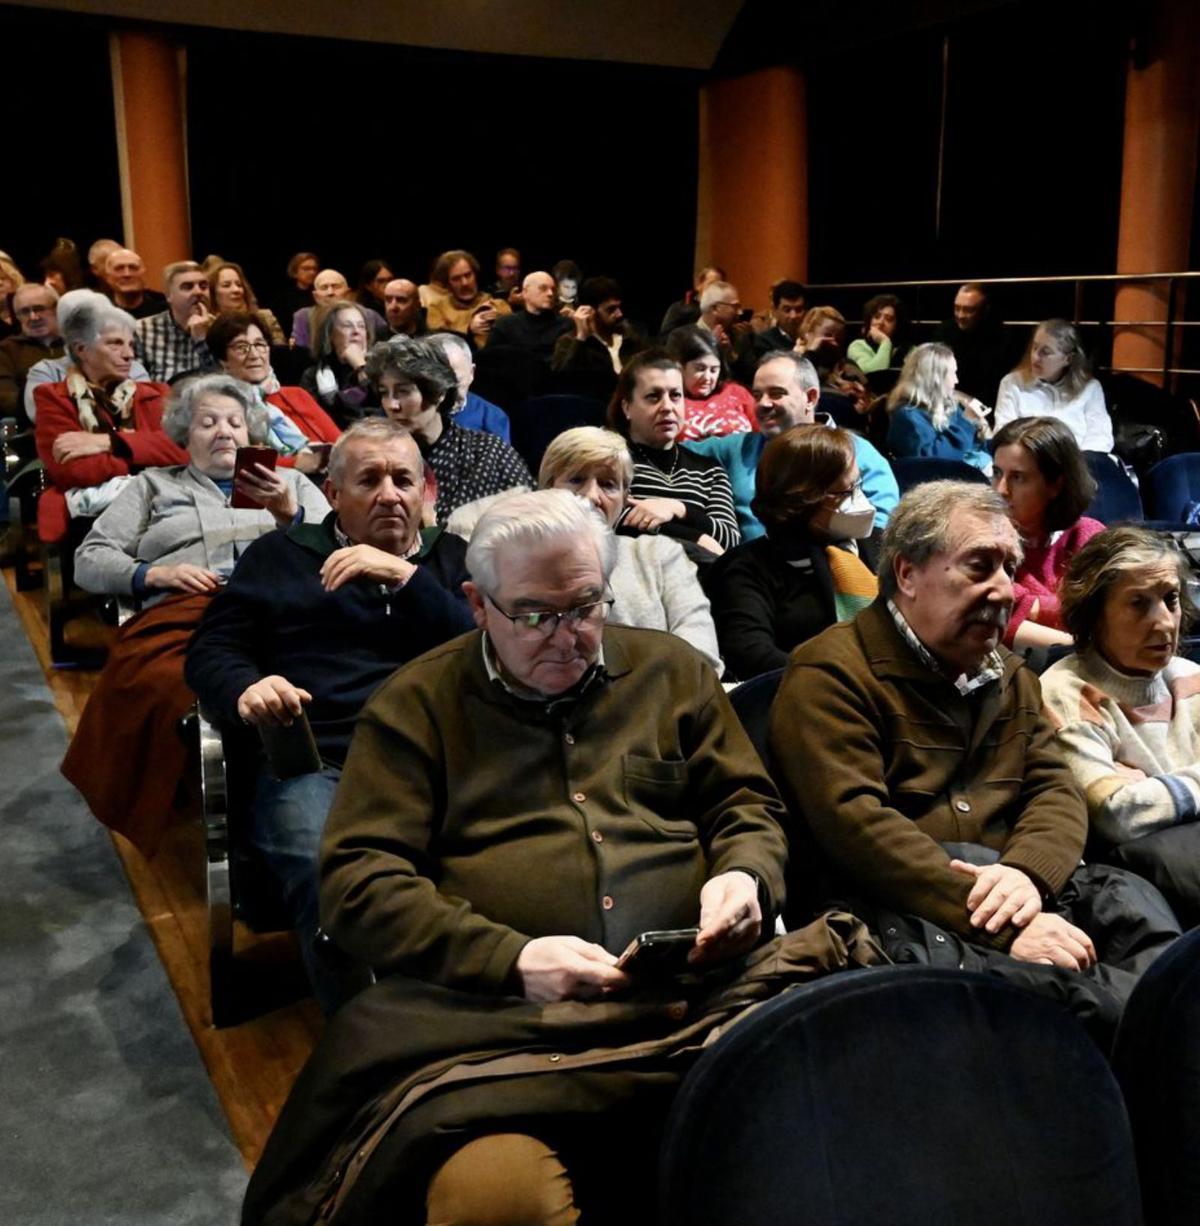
(854,586)
(91,402)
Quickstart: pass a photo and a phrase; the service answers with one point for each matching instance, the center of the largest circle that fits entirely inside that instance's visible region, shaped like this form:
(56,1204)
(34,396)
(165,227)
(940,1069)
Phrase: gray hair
(443,341)
(420,361)
(84,314)
(805,373)
(526,520)
(188,394)
(323,319)
(711,292)
(372,429)
(177,269)
(923,524)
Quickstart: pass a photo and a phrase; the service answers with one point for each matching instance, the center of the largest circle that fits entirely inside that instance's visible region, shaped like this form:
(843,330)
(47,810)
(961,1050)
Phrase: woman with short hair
(653,583)
(715,405)
(1126,707)
(417,388)
(1054,379)
(1039,471)
(674,491)
(771,594)
(926,417)
(238,341)
(97,424)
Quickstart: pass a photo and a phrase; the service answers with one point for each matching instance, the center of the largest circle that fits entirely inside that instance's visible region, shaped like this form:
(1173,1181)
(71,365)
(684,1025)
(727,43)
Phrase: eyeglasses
(542,623)
(35,308)
(242,348)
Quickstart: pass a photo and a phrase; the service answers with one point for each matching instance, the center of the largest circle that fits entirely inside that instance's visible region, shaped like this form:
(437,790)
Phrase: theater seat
(1172,488)
(1117,499)
(916,471)
(752,701)
(535,422)
(901,1095)
(1157,1061)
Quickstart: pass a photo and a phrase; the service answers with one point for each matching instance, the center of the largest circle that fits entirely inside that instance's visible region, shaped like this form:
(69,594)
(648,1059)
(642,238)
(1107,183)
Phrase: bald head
(126,273)
(538,292)
(330,286)
(402,306)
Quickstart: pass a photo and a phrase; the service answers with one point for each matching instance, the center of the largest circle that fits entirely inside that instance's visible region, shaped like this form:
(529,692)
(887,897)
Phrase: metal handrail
(1099,276)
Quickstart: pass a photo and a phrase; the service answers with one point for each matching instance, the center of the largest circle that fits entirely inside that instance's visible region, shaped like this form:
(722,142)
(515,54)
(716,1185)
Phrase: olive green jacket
(469,821)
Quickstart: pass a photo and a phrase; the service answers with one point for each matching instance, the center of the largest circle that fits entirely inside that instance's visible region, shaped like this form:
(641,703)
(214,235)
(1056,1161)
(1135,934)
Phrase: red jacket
(145,446)
(308,416)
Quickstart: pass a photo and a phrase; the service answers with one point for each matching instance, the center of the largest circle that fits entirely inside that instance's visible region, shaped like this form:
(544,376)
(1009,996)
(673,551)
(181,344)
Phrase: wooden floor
(252,1065)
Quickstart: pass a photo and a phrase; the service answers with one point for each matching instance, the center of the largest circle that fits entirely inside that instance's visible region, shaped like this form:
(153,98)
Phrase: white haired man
(516,807)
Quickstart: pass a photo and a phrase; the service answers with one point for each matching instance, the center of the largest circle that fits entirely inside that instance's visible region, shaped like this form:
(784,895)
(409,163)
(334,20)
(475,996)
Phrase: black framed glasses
(542,623)
(242,348)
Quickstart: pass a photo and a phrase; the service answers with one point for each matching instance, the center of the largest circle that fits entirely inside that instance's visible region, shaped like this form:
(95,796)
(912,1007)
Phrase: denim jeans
(289,817)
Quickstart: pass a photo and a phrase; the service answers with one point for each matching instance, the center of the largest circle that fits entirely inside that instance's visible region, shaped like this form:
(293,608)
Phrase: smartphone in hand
(661,954)
(247,457)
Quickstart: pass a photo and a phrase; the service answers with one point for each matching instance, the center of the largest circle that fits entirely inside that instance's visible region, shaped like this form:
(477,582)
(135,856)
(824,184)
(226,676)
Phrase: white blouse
(1086,414)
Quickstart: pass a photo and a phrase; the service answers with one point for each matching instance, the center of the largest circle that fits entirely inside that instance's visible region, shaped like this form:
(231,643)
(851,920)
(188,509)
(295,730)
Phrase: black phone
(247,457)
(744,317)
(290,750)
(661,954)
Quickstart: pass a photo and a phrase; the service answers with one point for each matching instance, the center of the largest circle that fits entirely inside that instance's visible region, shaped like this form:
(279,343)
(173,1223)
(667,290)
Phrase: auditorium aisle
(120,1103)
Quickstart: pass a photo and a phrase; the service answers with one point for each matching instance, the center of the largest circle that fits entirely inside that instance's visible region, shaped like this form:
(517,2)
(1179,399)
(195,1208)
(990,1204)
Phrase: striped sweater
(699,483)
(1132,743)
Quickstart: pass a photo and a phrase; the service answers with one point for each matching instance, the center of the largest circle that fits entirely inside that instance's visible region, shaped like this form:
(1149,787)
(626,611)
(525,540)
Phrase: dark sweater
(536,333)
(763,605)
(275,617)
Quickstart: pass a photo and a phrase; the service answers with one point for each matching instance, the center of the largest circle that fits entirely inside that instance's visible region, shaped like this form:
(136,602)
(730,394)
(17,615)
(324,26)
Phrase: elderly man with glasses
(34,310)
(517,806)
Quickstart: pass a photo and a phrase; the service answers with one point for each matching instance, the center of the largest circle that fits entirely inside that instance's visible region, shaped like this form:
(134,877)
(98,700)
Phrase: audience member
(238,341)
(1126,710)
(927,419)
(981,346)
(34,310)
(172,342)
(329,287)
(674,491)
(373,278)
(602,342)
(789,301)
(418,389)
(337,378)
(125,284)
(508,276)
(97,258)
(879,346)
(653,584)
(471,411)
(11,280)
(313,619)
(687,310)
(948,819)
(457,303)
(567,279)
(231,292)
(1038,469)
(714,404)
(402,308)
(302,271)
(720,317)
(537,328)
(513,905)
(774,592)
(845,395)
(1055,380)
(170,540)
(98,424)
(787,393)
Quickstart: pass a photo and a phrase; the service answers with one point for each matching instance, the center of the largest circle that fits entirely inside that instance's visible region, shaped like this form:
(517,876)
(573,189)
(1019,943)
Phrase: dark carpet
(106,1112)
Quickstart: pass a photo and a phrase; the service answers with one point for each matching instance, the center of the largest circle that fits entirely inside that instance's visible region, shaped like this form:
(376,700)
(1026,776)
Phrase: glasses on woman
(836,497)
(242,348)
(542,623)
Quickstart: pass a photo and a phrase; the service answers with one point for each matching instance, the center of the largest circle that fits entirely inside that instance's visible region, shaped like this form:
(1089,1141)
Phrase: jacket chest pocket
(654,791)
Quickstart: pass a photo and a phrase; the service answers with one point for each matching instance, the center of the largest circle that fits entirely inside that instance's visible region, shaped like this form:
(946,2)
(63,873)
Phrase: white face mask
(853,520)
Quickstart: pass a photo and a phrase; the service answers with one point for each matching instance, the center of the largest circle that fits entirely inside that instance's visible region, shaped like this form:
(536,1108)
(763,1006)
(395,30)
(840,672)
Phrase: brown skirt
(127,756)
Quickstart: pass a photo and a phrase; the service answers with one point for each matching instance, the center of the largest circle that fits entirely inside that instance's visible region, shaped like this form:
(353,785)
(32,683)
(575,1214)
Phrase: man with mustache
(914,749)
(312,621)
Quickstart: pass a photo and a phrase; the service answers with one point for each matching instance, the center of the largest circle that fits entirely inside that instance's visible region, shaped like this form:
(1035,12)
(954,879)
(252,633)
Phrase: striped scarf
(854,586)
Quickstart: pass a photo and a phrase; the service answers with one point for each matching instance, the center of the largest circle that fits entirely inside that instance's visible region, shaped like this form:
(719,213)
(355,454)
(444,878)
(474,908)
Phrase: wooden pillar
(752,206)
(148,74)
(1158,177)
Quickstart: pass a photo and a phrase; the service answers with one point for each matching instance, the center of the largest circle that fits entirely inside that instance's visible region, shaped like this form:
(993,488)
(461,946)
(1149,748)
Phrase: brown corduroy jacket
(885,760)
